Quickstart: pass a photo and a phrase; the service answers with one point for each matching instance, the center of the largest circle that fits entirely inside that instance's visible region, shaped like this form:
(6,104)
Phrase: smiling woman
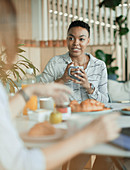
(77,42)
(91,73)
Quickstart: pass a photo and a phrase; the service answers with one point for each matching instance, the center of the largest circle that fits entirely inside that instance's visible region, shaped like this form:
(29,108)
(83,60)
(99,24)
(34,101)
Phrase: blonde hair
(8,28)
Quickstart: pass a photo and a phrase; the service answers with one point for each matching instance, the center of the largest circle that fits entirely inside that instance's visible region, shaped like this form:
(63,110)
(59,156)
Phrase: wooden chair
(88,166)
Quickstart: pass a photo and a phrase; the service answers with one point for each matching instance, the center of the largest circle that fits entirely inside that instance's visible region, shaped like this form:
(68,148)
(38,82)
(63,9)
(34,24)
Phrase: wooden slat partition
(43,21)
(84,14)
(128,39)
(111,26)
(89,12)
(122,48)
(58,20)
(63,19)
(95,25)
(106,28)
(100,26)
(49,15)
(73,9)
(68,11)
(78,8)
(53,20)
(117,52)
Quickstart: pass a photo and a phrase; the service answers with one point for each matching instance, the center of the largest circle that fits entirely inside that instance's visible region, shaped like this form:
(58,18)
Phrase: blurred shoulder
(59,58)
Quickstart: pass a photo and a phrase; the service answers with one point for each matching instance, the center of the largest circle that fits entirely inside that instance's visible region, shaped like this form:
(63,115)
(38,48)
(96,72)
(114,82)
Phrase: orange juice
(31,104)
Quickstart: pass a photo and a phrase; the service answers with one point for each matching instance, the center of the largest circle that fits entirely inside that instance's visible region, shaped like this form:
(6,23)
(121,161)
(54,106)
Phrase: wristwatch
(92,86)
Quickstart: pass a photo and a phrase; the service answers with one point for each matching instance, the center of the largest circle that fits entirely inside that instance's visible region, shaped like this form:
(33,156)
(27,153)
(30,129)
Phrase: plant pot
(50,43)
(33,43)
(57,43)
(42,43)
(112,76)
(64,43)
(27,43)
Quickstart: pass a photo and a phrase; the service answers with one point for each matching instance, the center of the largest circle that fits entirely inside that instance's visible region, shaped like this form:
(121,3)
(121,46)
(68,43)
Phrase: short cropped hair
(78,23)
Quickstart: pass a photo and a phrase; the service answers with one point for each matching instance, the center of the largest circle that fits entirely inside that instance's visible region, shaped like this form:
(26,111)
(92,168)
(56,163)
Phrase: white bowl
(39,115)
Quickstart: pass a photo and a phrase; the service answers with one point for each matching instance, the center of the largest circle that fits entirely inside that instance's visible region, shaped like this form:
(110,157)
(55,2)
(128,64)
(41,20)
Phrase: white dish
(95,113)
(78,121)
(60,133)
(125,112)
(39,115)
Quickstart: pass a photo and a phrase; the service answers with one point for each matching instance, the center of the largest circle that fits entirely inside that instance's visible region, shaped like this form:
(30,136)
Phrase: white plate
(60,133)
(125,112)
(95,113)
(78,121)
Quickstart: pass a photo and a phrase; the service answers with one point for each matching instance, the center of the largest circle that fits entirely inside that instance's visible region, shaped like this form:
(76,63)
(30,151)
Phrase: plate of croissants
(89,106)
(43,131)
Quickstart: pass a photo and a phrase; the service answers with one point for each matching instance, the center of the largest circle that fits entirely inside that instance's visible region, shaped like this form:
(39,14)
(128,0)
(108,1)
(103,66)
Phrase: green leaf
(112,70)
(12,84)
(21,70)
(123,31)
(101,4)
(20,45)
(119,20)
(21,50)
(110,3)
(23,65)
(24,57)
(109,59)
(100,55)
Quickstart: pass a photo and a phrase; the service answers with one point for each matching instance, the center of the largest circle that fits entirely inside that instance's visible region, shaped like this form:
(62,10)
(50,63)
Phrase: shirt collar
(92,59)
(68,60)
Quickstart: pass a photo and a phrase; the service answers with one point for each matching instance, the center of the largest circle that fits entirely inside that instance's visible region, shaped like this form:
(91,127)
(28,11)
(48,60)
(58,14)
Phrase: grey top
(96,72)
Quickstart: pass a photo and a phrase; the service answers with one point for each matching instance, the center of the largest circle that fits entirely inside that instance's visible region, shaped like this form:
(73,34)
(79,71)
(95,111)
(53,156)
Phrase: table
(23,123)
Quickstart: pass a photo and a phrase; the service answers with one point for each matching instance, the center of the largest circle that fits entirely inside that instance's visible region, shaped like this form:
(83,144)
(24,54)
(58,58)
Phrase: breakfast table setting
(75,122)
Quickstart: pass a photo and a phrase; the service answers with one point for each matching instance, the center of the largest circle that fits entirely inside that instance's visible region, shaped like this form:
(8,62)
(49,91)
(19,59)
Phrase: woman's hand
(83,80)
(66,76)
(103,129)
(60,93)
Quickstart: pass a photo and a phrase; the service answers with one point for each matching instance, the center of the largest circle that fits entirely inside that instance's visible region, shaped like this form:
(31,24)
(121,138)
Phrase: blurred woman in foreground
(13,154)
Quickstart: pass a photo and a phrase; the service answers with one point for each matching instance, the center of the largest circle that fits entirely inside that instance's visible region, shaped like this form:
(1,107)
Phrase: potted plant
(121,30)
(120,20)
(108,59)
(11,77)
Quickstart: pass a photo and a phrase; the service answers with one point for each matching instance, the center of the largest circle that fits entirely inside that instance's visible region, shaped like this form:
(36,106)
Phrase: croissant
(75,106)
(88,105)
(42,129)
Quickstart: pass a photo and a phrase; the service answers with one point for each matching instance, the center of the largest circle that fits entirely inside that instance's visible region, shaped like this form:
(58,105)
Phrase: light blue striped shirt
(96,72)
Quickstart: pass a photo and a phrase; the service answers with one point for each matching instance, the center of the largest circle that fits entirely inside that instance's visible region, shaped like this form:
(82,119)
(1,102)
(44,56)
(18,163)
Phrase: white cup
(46,103)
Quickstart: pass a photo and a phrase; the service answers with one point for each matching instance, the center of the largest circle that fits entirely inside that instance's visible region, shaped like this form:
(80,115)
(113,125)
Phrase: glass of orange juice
(31,104)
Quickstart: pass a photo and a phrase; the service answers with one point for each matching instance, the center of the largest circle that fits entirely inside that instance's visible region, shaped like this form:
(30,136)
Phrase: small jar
(65,110)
